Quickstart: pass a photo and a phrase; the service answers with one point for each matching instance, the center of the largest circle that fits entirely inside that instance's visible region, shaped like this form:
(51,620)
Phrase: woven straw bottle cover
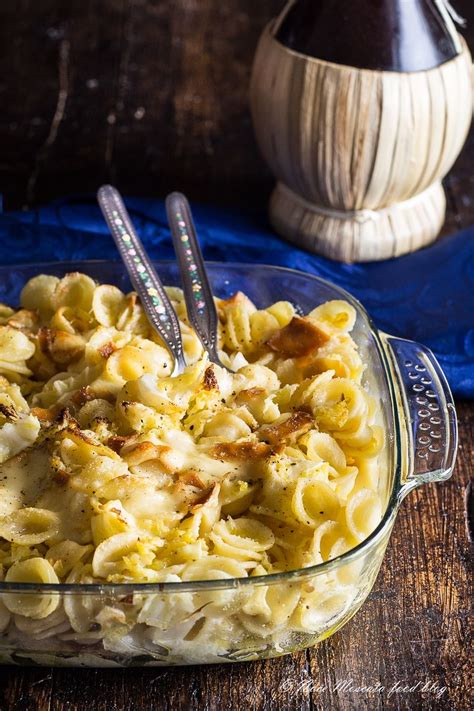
(360,109)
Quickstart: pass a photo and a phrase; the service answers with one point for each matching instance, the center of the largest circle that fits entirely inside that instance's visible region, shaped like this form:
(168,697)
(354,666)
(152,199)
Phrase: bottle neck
(390,35)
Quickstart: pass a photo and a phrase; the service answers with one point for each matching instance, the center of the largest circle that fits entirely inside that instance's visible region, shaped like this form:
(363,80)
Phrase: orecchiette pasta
(31,570)
(112,471)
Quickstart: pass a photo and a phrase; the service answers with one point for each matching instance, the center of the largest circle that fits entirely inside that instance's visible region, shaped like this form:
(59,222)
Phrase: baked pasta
(112,471)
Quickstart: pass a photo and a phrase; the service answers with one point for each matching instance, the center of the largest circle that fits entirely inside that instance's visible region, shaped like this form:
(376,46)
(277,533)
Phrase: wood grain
(415,624)
(154,97)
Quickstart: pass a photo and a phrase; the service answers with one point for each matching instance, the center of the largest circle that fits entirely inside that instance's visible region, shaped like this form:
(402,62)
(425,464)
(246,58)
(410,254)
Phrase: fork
(200,304)
(143,276)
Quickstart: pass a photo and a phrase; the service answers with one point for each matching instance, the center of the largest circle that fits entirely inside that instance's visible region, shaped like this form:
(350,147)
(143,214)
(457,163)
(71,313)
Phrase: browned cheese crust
(299,338)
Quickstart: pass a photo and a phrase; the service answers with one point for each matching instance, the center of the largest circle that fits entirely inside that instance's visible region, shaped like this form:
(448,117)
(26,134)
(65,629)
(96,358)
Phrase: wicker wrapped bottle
(360,109)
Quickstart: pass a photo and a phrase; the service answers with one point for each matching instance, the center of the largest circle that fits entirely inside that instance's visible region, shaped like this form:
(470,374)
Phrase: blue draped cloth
(427,296)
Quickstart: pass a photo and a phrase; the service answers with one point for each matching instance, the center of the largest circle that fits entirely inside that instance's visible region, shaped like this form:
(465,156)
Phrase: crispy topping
(147,451)
(201,499)
(60,477)
(107,349)
(67,427)
(237,299)
(249,395)
(83,395)
(299,338)
(141,452)
(116,442)
(297,424)
(241,451)
(62,347)
(210,380)
(8,412)
(74,431)
(190,477)
(45,415)
(64,418)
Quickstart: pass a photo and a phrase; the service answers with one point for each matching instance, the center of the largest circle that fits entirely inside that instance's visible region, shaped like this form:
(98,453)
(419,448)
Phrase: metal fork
(197,291)
(142,274)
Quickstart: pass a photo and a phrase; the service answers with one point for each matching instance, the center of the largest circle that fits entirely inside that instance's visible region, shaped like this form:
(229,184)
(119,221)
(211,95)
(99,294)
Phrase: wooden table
(153,95)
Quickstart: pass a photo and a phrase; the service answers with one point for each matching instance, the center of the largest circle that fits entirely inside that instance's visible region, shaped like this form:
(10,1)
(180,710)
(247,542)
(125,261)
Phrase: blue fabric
(427,296)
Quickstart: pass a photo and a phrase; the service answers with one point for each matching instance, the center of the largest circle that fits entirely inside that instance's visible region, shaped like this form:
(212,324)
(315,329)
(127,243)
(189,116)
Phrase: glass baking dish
(194,622)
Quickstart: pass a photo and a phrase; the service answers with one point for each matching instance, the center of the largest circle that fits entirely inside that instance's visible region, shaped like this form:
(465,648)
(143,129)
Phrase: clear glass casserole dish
(162,624)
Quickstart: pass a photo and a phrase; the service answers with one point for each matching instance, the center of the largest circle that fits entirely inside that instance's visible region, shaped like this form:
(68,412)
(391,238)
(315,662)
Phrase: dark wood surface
(153,95)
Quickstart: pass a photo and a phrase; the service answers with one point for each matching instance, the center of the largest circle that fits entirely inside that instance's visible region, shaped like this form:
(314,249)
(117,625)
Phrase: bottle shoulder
(391,35)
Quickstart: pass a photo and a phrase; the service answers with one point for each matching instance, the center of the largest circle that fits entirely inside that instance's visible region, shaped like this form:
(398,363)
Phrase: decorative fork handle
(197,291)
(142,274)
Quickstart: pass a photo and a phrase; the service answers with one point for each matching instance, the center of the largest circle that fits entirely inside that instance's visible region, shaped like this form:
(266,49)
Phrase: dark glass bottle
(391,35)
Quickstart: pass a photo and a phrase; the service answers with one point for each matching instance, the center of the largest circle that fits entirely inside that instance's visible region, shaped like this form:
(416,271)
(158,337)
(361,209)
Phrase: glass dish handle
(430,414)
